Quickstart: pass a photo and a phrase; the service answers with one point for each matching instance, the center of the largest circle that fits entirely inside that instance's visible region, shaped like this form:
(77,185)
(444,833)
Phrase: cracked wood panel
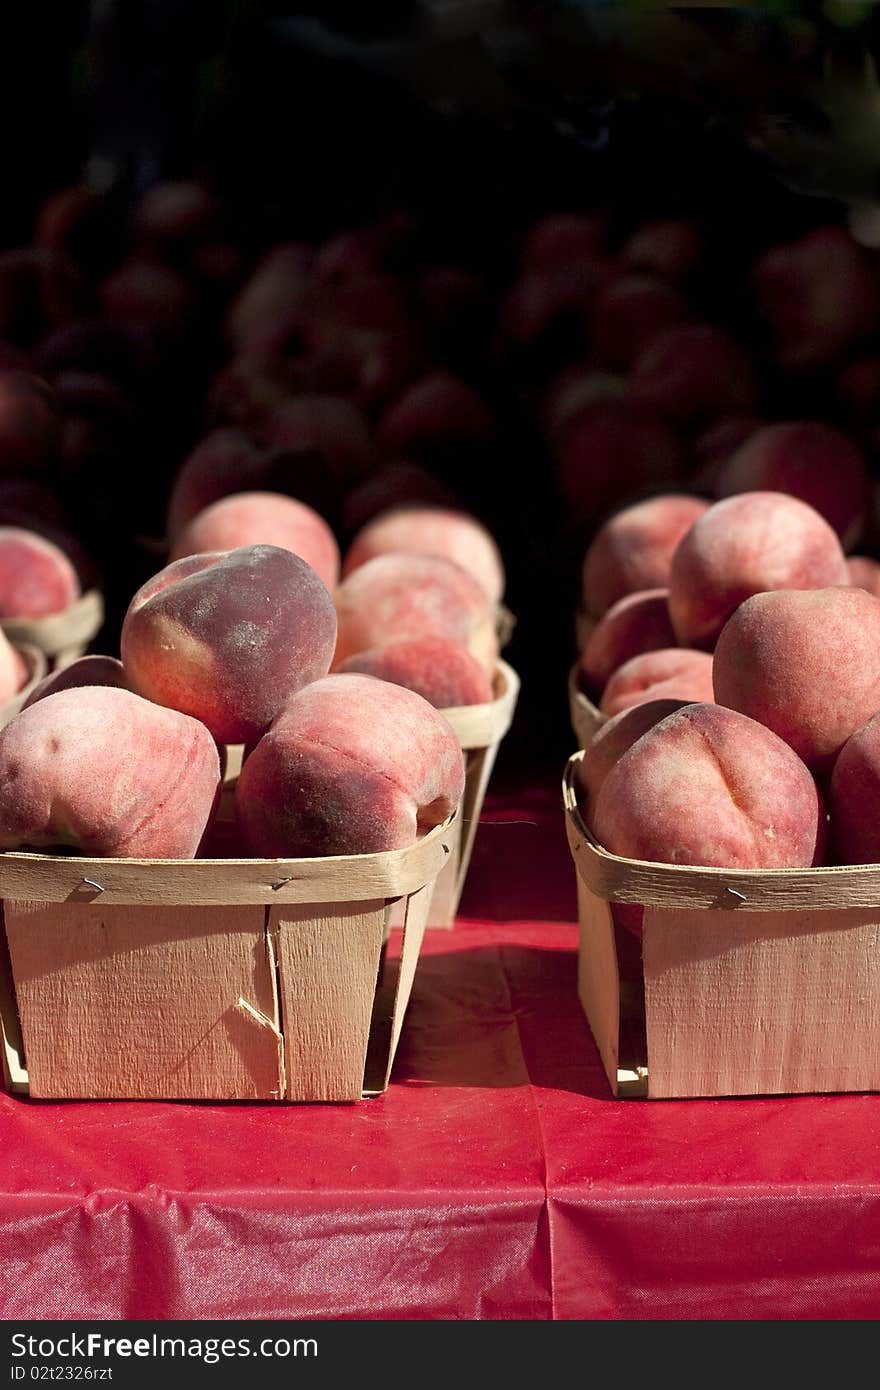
(145,1002)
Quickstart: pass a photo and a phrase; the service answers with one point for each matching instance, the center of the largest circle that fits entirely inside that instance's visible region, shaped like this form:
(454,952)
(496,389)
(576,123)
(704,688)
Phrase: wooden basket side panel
(328,962)
(746,1003)
(12,1061)
(599,978)
(145,1002)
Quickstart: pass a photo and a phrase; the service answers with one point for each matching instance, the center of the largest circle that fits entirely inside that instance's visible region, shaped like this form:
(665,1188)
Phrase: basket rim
(56,632)
(617,879)
(47,878)
(479,726)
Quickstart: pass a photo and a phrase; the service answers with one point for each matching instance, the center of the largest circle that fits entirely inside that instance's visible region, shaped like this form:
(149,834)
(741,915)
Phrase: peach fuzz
(708,786)
(744,545)
(36,576)
(864,573)
(806,663)
(669,673)
(633,549)
(609,744)
(227,637)
(806,459)
(443,672)
(633,625)
(693,373)
(444,531)
(352,765)
(104,772)
(13,672)
(262,518)
(86,670)
(403,596)
(854,798)
(611,450)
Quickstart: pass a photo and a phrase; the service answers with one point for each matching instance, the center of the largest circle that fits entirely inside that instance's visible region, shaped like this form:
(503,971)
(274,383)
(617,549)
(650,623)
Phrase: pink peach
(36,576)
(669,673)
(352,765)
(633,549)
(443,672)
(805,663)
(106,773)
(227,637)
(633,625)
(745,545)
(403,596)
(445,531)
(262,518)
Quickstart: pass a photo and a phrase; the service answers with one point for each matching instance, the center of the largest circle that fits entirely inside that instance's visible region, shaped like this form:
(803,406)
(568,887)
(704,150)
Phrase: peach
(633,625)
(628,314)
(352,765)
(806,663)
(541,302)
(806,459)
(357,250)
(443,672)
(86,670)
(149,296)
(864,572)
(224,461)
(228,636)
(269,307)
(175,212)
(445,531)
(30,423)
(356,312)
(693,373)
(36,576)
(708,786)
(854,797)
(101,771)
(577,386)
(609,744)
(857,389)
(817,295)
(633,549)
(437,408)
(392,485)
(668,246)
(39,289)
(668,673)
(13,672)
(714,446)
(402,596)
(328,426)
(563,239)
(745,545)
(262,518)
(611,450)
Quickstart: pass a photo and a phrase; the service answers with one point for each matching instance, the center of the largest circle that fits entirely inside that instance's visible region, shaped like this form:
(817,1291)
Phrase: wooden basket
(586,718)
(37,667)
(62,637)
(752,981)
(250,979)
(480,729)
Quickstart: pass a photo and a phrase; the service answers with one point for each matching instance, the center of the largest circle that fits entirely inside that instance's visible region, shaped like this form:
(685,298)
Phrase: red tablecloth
(496,1178)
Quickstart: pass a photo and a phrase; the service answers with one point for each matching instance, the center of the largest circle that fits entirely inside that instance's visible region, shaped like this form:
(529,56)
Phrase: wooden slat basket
(751,982)
(586,718)
(62,637)
(249,979)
